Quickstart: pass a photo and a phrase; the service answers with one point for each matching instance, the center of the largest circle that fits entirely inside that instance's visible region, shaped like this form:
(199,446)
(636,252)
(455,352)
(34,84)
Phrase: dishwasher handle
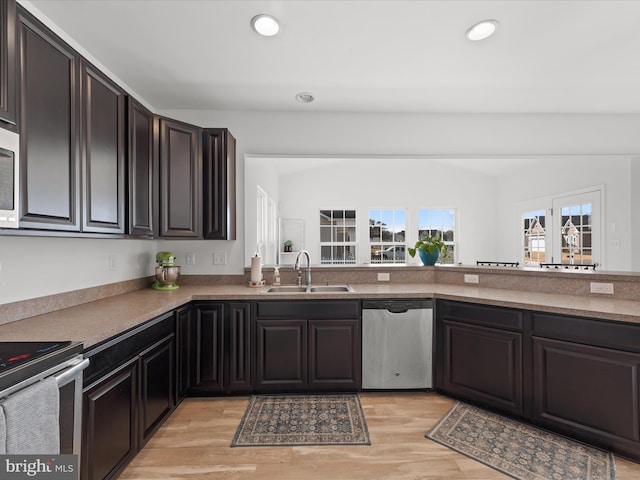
(397,306)
(397,310)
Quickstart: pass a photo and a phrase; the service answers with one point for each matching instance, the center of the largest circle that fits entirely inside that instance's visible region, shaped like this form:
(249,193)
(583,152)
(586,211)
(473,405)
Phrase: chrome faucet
(297,267)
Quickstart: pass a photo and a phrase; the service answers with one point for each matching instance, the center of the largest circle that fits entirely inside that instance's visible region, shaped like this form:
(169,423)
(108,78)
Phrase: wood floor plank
(194,443)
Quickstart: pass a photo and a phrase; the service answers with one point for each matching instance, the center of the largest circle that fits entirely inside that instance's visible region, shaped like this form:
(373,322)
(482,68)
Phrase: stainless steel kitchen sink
(309,289)
(330,288)
(286,289)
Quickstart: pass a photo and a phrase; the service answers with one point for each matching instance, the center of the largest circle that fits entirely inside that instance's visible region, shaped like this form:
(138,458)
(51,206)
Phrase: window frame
(333,245)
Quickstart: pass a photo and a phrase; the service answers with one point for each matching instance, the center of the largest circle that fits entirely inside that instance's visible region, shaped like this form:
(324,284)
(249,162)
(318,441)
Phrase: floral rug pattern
(519,450)
(285,420)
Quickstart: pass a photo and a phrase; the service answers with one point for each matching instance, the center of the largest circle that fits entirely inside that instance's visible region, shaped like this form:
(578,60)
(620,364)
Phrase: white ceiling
(548,56)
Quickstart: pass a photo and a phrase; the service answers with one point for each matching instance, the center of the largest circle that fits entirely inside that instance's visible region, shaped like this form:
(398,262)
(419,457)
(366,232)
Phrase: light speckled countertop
(94,322)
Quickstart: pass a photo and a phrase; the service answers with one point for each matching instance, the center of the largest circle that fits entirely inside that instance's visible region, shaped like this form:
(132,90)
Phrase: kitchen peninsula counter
(96,321)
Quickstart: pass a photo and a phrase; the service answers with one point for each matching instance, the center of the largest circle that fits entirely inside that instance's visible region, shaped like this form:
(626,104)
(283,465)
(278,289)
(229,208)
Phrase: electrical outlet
(113,263)
(599,287)
(468,278)
(383,277)
(220,258)
(191,258)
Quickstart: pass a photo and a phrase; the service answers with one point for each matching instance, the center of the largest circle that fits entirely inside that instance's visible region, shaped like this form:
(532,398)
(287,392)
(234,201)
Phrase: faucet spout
(296,266)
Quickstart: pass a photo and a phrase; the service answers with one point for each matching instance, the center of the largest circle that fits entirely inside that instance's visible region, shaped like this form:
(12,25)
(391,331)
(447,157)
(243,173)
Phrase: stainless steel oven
(9,178)
(23,364)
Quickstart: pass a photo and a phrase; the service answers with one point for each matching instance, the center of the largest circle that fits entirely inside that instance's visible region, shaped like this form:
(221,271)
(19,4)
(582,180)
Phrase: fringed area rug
(286,420)
(519,450)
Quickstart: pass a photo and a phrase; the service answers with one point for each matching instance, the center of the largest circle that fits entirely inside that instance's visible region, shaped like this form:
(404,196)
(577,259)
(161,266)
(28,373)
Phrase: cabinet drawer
(481,314)
(602,333)
(308,309)
(113,352)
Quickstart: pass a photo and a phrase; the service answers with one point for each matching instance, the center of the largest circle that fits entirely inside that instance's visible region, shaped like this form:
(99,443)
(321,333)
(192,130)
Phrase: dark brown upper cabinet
(142,155)
(103,153)
(8,62)
(48,81)
(219,184)
(180,180)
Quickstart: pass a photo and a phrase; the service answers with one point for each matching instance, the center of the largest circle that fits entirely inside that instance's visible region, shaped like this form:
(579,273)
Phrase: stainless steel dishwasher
(397,338)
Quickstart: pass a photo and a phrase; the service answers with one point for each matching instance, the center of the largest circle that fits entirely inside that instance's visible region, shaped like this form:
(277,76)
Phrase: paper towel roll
(256,269)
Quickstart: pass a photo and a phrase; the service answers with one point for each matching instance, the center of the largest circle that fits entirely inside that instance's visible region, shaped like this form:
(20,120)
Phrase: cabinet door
(281,355)
(109,423)
(8,61)
(49,152)
(184,352)
(589,392)
(142,167)
(334,355)
(209,372)
(180,175)
(239,361)
(219,175)
(102,146)
(156,386)
(483,364)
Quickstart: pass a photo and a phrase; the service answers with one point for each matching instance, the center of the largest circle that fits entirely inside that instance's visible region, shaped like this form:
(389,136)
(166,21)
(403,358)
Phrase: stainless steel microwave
(9,178)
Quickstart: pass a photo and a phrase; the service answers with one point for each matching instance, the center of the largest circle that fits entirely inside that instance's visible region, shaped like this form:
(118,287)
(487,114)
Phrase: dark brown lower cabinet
(185,356)
(281,353)
(110,417)
(129,390)
(239,351)
(573,375)
(334,354)
(483,364)
(590,392)
(307,346)
(156,386)
(208,340)
(221,344)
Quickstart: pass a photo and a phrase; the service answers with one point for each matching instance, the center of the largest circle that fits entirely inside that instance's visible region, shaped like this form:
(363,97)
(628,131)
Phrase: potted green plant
(429,249)
(288,245)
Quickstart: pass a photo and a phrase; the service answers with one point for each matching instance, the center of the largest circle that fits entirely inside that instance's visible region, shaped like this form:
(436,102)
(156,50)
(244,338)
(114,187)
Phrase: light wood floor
(194,443)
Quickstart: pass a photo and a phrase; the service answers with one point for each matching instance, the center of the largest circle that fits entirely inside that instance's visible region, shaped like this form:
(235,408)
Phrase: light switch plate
(383,277)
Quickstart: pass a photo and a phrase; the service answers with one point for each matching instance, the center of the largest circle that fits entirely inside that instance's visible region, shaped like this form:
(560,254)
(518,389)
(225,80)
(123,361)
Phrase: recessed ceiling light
(304,97)
(482,30)
(265,25)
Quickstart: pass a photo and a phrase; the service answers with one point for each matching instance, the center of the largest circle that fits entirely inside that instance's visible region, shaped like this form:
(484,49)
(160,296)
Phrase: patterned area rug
(519,450)
(285,420)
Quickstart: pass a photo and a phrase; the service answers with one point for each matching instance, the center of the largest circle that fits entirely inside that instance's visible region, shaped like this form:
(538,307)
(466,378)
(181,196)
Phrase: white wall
(553,177)
(35,266)
(634,180)
(363,183)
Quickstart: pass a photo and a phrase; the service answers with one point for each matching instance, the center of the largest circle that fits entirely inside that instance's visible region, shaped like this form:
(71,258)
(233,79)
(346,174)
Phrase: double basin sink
(309,289)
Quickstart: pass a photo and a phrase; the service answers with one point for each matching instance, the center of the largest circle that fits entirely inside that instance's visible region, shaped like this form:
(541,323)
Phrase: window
(387,235)
(566,233)
(576,234)
(441,223)
(338,236)
(534,237)
(266,215)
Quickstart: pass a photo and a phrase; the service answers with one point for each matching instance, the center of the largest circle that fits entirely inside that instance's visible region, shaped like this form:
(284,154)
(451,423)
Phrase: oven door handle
(66,376)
